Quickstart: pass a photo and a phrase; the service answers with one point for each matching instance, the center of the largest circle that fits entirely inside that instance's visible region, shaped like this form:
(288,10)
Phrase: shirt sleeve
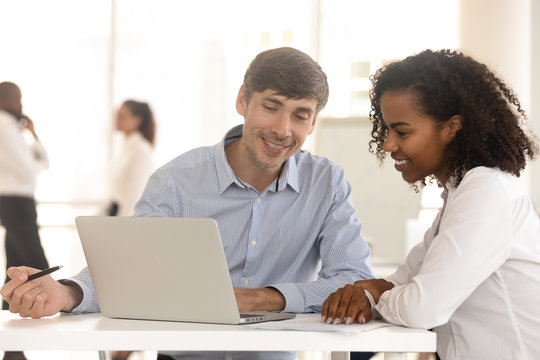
(89,303)
(410,268)
(159,198)
(474,240)
(20,159)
(345,256)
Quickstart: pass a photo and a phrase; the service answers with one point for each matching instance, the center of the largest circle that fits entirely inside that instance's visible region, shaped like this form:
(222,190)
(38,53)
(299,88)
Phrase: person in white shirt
(475,279)
(133,164)
(20,164)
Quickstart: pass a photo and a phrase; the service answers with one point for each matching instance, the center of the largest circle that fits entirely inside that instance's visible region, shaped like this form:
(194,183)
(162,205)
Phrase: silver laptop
(162,269)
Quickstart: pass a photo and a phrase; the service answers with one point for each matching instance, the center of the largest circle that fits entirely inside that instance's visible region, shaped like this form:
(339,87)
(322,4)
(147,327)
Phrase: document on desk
(312,322)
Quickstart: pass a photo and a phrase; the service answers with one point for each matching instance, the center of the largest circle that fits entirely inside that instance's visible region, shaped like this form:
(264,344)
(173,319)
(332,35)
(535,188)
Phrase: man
(285,217)
(20,164)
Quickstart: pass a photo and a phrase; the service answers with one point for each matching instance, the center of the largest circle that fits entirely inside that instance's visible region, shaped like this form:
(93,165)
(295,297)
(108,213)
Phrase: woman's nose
(389,144)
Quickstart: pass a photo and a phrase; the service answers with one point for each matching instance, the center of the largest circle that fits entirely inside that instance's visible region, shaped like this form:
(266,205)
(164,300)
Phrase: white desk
(96,332)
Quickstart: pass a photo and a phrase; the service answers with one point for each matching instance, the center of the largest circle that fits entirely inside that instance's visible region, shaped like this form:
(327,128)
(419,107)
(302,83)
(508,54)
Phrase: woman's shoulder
(492,180)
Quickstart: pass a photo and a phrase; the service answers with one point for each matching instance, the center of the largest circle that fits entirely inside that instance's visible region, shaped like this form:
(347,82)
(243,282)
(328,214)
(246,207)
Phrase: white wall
(506,36)
(383,201)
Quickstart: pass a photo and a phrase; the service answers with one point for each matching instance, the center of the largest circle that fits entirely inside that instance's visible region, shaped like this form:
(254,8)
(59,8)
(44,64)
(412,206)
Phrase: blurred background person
(20,163)
(133,163)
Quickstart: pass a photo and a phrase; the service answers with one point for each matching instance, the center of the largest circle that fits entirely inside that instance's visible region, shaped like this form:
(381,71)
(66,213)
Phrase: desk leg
(340,355)
(395,356)
(102,355)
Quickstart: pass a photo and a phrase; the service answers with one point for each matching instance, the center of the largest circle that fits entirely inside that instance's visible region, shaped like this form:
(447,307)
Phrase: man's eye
(269,108)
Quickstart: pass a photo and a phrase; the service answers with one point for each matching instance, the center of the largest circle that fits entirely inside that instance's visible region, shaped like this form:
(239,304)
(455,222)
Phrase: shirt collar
(226,176)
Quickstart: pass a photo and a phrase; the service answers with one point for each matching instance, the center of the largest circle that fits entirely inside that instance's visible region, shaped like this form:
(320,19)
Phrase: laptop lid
(159,268)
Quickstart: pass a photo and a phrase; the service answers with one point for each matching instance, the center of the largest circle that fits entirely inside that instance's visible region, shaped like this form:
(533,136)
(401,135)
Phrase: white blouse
(477,282)
(20,161)
(131,169)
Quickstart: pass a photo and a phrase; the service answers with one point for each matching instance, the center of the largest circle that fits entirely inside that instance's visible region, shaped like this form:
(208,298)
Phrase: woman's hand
(350,303)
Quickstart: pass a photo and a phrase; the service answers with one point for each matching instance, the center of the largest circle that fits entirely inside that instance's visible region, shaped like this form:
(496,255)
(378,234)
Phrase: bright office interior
(76,61)
(79,62)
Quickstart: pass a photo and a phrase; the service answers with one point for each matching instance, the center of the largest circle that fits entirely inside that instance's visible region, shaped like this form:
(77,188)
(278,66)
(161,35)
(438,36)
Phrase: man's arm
(265,299)
(40,297)
(345,256)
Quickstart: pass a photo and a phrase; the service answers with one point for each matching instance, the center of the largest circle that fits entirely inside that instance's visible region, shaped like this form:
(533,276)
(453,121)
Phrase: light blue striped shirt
(299,235)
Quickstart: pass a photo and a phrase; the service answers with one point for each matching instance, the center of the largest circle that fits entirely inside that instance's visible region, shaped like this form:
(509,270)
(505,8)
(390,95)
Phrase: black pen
(44,272)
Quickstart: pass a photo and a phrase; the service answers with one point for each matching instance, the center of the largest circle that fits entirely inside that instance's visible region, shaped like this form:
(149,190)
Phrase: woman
(133,165)
(475,279)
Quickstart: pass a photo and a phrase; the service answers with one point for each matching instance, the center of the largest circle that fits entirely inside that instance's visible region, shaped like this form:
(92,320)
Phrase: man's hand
(40,297)
(350,303)
(265,299)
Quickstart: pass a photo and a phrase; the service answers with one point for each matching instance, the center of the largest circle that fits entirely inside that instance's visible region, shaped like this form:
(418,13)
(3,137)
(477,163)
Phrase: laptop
(158,268)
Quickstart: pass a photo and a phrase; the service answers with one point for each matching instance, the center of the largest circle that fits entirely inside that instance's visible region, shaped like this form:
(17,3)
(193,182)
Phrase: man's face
(11,102)
(275,126)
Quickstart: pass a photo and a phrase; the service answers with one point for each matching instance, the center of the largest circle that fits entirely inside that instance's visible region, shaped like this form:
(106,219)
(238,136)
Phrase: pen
(44,272)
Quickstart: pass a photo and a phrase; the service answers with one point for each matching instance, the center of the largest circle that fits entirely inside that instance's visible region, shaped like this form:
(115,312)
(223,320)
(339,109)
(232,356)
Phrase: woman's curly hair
(447,83)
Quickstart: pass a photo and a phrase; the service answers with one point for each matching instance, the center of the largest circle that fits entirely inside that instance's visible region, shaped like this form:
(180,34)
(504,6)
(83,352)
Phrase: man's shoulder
(200,156)
(306,161)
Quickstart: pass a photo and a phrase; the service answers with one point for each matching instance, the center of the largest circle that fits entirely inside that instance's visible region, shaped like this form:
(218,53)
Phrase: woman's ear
(454,125)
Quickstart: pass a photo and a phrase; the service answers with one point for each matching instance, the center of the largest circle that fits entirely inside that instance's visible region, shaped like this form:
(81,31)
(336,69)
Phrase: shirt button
(258,200)
(246,281)
(253,242)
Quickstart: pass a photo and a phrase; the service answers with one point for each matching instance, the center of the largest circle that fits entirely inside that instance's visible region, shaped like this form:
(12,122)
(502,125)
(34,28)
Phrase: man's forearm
(265,299)
(74,295)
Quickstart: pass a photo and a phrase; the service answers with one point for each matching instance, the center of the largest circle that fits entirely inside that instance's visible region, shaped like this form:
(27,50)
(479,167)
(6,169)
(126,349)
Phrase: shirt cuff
(294,300)
(86,301)
(376,314)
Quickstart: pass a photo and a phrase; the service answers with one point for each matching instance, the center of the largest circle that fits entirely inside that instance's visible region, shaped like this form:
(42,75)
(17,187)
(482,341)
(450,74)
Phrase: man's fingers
(24,293)
(22,301)
(38,308)
(18,278)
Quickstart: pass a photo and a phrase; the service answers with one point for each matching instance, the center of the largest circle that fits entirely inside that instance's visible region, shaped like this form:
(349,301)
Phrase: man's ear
(454,124)
(241,101)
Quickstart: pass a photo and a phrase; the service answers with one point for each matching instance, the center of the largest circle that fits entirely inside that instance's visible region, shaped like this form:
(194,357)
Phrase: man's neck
(245,170)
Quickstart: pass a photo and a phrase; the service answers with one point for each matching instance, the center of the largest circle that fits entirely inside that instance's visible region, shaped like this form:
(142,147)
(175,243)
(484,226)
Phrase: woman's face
(126,122)
(414,140)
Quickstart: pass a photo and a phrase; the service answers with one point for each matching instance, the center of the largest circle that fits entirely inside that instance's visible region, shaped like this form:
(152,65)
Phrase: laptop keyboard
(248,316)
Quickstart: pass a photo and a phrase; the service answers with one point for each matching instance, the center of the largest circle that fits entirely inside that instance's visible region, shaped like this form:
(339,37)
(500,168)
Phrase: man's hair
(288,71)
(447,83)
(6,87)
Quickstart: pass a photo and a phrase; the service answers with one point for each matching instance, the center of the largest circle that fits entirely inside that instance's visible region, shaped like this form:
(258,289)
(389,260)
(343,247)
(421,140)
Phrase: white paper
(312,322)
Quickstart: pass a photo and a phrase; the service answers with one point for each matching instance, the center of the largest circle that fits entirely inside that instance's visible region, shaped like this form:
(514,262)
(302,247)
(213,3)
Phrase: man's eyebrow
(279,102)
(273,100)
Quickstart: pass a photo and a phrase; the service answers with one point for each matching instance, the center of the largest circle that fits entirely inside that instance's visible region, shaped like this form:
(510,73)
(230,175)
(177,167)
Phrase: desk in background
(96,332)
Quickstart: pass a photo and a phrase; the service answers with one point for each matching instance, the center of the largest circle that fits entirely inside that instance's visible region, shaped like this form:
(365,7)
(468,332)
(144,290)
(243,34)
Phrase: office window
(187,59)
